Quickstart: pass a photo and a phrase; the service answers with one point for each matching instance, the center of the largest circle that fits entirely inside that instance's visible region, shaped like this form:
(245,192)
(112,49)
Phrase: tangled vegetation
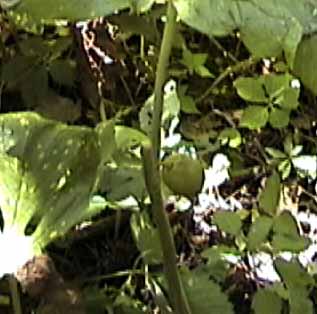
(158,156)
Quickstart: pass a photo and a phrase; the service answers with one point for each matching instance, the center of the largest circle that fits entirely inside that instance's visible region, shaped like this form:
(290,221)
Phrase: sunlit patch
(53,234)
(24,122)
(61,183)
(16,250)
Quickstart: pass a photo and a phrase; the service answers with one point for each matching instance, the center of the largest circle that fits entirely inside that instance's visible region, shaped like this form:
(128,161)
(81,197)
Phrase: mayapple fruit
(183,175)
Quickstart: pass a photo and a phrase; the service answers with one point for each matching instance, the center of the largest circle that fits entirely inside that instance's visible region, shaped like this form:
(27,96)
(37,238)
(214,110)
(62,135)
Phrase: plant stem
(151,155)
(161,74)
(17,309)
(152,176)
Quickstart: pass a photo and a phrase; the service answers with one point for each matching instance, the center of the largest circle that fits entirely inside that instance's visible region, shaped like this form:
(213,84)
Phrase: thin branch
(231,69)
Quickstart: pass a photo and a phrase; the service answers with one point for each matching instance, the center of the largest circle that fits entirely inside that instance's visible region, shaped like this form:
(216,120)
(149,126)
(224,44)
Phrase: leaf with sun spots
(48,172)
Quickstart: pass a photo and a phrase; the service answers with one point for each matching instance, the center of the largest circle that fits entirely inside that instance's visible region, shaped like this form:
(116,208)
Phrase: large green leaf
(306,62)
(123,181)
(267,28)
(215,18)
(49,171)
(49,10)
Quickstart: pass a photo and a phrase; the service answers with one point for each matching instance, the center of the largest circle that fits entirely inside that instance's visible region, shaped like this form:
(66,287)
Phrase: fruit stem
(153,182)
(161,74)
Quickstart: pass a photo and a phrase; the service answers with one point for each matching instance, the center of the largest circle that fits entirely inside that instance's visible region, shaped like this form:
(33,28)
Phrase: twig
(231,69)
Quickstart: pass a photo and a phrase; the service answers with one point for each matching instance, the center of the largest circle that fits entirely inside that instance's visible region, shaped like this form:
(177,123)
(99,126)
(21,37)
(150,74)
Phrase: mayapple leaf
(50,168)
(263,33)
(270,196)
(127,138)
(306,61)
(38,11)
(16,194)
(121,181)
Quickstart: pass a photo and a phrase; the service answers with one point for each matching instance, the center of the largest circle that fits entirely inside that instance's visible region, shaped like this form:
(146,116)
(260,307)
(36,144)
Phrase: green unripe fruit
(183,175)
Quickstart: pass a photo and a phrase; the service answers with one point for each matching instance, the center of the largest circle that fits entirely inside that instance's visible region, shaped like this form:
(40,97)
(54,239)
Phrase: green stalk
(151,156)
(161,74)
(152,176)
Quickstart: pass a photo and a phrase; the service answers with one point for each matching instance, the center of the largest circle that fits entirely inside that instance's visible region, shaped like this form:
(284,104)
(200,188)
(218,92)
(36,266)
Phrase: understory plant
(50,171)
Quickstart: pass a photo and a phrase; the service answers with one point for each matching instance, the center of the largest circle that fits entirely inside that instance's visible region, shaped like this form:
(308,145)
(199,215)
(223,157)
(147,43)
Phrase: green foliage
(266,301)
(286,234)
(52,10)
(146,238)
(195,63)
(273,90)
(49,170)
(259,232)
(228,222)
(298,283)
(171,109)
(306,61)
(270,196)
(255,21)
(204,295)
(230,136)
(305,165)
(45,161)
